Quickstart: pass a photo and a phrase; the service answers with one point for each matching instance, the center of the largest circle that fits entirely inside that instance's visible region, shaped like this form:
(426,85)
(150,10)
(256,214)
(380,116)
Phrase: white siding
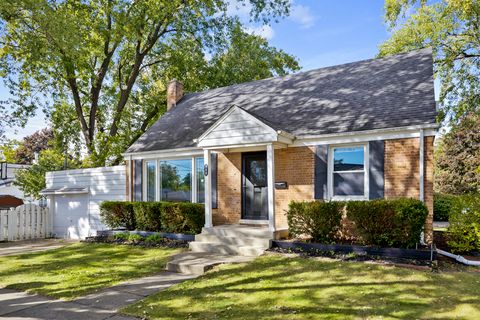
(238,127)
(78,215)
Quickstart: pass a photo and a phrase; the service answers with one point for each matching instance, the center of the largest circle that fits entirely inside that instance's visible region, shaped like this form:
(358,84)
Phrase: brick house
(361,130)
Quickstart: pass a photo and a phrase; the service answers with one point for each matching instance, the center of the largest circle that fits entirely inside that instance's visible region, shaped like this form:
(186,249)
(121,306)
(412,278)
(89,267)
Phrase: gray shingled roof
(396,91)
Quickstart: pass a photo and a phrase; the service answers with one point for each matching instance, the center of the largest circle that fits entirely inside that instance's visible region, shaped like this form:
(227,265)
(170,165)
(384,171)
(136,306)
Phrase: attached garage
(74,198)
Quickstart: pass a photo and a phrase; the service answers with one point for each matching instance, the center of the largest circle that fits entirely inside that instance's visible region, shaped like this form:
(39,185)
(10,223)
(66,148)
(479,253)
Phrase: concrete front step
(237,241)
(226,249)
(239,231)
(199,262)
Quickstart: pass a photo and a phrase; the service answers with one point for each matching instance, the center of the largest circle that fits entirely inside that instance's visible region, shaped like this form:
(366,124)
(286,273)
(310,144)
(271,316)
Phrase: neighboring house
(361,130)
(7,177)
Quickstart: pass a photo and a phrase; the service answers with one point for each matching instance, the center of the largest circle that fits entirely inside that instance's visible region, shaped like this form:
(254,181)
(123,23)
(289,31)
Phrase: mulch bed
(163,242)
(354,257)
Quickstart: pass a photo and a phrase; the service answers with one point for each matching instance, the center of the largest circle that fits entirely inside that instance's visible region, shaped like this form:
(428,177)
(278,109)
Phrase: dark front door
(254,186)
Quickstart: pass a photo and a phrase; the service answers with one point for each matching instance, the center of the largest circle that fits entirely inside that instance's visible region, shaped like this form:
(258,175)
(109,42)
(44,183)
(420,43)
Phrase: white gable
(236,127)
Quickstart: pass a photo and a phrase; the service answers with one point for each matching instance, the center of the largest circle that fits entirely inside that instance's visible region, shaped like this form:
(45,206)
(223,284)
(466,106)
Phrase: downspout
(422,175)
(459,258)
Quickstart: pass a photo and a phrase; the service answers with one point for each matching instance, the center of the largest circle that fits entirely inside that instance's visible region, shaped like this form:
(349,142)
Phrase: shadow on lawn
(303,289)
(79,269)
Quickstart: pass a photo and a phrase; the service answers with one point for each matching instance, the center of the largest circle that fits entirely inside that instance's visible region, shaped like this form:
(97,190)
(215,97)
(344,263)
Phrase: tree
(7,151)
(247,58)
(32,180)
(452,29)
(457,168)
(101,57)
(33,144)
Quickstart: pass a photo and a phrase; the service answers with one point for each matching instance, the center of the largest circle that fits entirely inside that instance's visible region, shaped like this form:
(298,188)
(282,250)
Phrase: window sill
(351,198)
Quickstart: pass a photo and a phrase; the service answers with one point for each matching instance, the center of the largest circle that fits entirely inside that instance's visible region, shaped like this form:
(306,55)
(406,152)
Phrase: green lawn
(275,287)
(79,269)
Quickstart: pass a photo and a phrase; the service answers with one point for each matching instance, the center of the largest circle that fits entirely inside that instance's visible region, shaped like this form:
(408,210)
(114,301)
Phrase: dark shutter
(321,161)
(376,174)
(137,181)
(213,172)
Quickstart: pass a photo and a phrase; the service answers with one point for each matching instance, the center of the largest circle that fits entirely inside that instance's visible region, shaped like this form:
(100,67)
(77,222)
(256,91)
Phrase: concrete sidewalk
(29,246)
(100,305)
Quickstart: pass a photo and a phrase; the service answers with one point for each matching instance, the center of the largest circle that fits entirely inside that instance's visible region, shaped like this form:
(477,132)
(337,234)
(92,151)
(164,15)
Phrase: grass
(274,287)
(79,269)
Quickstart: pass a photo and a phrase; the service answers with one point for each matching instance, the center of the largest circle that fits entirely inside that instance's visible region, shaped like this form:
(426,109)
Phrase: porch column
(208,188)
(271,186)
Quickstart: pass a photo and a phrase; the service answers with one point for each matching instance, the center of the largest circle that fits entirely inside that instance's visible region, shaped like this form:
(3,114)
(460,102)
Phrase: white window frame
(365,171)
(145,177)
(158,179)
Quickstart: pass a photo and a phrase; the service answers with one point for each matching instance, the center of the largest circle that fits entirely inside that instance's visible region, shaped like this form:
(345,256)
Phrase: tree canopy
(99,67)
(452,29)
(457,168)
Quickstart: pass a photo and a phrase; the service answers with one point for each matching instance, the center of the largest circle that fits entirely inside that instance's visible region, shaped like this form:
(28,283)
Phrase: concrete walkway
(100,305)
(28,246)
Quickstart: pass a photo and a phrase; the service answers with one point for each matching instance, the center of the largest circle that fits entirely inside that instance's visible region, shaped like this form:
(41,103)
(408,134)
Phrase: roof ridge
(313,70)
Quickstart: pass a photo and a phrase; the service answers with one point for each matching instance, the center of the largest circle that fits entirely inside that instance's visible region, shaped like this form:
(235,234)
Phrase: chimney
(174,93)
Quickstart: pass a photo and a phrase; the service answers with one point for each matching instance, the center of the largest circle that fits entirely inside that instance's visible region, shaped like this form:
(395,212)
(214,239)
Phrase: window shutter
(321,160)
(137,180)
(376,174)
(213,172)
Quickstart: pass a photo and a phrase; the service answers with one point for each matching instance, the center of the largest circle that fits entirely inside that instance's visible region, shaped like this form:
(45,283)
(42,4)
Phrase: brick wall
(402,177)
(293,165)
(428,185)
(229,189)
(296,167)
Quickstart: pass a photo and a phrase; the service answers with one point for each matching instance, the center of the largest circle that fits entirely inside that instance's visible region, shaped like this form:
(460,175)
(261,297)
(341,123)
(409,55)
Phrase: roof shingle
(395,91)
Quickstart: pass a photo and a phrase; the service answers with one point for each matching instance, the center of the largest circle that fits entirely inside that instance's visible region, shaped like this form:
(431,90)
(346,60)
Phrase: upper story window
(348,172)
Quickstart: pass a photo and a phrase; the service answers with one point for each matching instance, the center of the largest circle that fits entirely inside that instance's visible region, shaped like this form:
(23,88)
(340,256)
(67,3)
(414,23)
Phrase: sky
(319,33)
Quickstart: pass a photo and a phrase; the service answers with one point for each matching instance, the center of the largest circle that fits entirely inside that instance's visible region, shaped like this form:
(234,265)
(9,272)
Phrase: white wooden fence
(28,221)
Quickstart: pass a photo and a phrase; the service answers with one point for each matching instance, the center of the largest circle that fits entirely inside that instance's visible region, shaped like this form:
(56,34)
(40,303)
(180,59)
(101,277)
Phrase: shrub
(148,215)
(176,217)
(154,238)
(396,223)
(135,237)
(464,230)
(121,236)
(316,219)
(442,204)
(182,217)
(116,214)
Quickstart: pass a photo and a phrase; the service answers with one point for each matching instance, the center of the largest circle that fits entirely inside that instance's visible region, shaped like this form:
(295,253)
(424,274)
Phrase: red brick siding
(402,176)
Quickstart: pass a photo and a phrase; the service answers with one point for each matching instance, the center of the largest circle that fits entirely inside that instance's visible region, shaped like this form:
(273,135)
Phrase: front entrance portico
(238,131)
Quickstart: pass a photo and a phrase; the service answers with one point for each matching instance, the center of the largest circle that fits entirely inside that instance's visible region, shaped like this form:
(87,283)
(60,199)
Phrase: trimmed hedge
(174,217)
(148,215)
(183,217)
(463,233)
(317,219)
(388,223)
(118,214)
(442,205)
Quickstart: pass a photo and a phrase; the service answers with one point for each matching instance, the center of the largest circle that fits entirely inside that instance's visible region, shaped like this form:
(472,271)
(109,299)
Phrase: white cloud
(262,31)
(302,15)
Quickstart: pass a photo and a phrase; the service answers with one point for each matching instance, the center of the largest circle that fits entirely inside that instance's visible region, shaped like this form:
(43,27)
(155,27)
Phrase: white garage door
(71,216)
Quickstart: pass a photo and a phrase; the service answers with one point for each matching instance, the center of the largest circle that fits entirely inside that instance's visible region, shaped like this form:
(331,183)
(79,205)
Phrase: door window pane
(200,181)
(151,174)
(176,178)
